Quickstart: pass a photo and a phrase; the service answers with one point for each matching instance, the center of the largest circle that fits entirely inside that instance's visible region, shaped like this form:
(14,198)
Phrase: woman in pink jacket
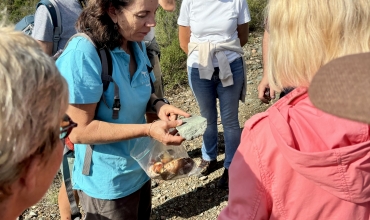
(295,161)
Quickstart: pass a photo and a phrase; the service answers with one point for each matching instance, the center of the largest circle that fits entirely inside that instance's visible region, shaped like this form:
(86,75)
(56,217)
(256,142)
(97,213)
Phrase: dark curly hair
(95,22)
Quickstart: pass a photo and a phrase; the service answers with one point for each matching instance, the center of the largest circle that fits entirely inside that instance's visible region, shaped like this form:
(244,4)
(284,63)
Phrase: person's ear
(112,12)
(28,178)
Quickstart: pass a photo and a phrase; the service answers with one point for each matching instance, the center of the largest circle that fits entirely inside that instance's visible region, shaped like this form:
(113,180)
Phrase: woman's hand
(265,94)
(169,112)
(161,131)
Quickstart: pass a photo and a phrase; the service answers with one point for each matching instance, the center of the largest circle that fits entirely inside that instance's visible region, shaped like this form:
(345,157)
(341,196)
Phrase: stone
(203,178)
(192,127)
(32,214)
(154,184)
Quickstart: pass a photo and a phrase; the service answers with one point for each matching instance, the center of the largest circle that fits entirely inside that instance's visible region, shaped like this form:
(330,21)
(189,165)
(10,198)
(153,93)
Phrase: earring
(115,26)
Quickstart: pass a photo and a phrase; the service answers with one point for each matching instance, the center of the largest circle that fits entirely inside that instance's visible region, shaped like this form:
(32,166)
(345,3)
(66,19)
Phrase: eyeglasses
(66,127)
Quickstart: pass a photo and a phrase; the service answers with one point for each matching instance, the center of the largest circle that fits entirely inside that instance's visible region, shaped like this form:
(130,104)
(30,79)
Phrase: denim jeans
(206,91)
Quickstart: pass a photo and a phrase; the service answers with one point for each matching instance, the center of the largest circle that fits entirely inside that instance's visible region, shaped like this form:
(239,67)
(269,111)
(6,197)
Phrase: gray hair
(33,100)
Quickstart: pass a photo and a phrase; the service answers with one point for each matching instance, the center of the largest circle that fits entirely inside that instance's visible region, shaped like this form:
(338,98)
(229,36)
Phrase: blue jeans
(206,91)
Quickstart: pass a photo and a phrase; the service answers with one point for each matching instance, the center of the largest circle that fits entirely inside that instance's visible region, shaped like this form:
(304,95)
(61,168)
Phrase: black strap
(106,77)
(75,211)
(107,67)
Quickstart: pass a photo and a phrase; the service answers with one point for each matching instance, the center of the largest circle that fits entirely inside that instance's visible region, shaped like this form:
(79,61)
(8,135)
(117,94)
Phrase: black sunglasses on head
(66,127)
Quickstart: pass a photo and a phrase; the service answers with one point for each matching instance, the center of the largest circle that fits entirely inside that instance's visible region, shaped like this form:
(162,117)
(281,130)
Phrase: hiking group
(296,160)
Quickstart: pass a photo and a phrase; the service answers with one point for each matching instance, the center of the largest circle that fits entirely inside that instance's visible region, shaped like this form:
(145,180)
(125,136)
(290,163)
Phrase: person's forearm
(184,37)
(184,48)
(243,33)
(47,47)
(92,131)
(100,132)
(265,52)
(168,5)
(157,106)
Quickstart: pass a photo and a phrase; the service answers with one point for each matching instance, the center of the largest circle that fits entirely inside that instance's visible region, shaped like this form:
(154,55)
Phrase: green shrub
(256,8)
(173,59)
(17,9)
(173,65)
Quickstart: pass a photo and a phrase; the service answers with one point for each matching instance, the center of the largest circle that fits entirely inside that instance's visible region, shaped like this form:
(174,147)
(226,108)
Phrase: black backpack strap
(75,211)
(106,77)
(107,67)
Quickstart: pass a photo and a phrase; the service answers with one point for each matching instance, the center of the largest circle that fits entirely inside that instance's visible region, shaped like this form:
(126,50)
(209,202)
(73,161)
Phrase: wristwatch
(157,100)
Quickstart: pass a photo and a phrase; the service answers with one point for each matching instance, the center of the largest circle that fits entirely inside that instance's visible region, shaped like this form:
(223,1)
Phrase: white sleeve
(244,14)
(43,29)
(184,19)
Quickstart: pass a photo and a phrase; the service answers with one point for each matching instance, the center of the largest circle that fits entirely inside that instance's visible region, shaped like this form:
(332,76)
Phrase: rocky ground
(189,198)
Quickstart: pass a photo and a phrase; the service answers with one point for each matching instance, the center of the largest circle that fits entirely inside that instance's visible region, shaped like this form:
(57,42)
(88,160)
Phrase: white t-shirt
(214,21)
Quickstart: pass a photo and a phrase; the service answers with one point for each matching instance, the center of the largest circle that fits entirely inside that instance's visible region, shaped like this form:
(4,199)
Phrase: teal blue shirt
(113,173)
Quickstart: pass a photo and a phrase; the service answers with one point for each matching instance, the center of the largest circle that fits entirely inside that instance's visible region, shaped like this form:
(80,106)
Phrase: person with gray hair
(33,100)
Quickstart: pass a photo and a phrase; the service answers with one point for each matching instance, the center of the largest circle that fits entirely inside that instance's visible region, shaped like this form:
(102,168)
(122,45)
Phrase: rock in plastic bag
(163,162)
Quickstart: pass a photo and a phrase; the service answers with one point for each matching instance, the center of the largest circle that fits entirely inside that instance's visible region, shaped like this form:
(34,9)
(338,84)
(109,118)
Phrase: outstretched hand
(265,94)
(161,131)
(169,112)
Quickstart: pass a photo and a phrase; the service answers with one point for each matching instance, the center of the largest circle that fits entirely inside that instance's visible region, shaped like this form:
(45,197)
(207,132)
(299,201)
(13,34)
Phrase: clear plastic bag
(163,162)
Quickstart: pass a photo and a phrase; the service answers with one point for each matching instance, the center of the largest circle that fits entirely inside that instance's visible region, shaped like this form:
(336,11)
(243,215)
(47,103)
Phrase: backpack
(106,77)
(27,23)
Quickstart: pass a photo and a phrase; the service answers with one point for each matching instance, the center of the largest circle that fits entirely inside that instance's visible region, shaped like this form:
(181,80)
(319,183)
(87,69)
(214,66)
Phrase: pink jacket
(297,162)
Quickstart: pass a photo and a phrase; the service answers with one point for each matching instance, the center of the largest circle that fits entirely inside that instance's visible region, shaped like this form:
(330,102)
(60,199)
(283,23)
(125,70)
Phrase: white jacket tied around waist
(207,50)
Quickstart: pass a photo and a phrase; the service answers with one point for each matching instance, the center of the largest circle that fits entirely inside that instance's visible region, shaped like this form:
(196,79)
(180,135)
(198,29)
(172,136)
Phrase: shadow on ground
(193,203)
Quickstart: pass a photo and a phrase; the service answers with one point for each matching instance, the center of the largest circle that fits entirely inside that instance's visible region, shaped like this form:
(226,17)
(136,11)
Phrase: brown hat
(342,87)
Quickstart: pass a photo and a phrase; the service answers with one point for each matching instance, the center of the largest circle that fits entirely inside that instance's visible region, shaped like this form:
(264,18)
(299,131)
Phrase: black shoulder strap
(107,66)
(106,77)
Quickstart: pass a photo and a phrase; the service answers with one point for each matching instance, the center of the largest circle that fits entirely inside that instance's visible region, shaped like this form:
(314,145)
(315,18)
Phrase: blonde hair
(33,99)
(304,35)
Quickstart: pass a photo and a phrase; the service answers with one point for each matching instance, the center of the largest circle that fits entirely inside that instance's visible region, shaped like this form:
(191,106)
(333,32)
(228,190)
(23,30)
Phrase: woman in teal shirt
(116,187)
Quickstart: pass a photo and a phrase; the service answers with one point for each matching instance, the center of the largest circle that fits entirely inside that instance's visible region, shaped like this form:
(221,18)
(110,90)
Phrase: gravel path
(189,198)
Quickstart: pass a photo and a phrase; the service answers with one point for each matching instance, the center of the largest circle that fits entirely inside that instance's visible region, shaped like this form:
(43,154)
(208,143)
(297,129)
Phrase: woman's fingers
(170,113)
(161,131)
